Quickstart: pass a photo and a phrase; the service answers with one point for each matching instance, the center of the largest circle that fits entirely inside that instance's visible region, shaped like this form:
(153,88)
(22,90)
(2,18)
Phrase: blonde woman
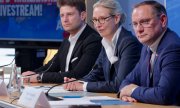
(119,54)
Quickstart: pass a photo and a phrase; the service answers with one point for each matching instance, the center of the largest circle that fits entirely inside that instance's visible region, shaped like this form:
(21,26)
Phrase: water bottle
(15,83)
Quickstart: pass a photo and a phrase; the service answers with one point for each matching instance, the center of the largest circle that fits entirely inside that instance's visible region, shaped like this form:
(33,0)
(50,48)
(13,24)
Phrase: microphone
(56,98)
(44,70)
(52,98)
(16,54)
(50,64)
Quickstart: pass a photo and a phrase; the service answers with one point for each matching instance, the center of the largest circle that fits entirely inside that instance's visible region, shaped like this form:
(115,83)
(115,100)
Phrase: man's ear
(83,15)
(163,19)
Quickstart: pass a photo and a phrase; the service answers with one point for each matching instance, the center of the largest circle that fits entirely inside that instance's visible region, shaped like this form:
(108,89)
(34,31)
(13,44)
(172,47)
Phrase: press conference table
(133,105)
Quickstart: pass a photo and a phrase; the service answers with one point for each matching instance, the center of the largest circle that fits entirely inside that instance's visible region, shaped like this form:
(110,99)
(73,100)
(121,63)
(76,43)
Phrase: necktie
(149,69)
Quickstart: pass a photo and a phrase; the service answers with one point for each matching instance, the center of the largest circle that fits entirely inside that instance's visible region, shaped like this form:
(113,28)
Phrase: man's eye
(145,21)
(134,24)
(94,19)
(70,14)
(102,18)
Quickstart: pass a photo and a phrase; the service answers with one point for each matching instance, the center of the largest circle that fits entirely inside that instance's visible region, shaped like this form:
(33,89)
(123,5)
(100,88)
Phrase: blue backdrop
(40,23)
(173,8)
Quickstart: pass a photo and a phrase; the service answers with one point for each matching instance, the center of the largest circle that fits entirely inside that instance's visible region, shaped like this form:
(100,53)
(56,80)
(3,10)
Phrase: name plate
(3,89)
(33,98)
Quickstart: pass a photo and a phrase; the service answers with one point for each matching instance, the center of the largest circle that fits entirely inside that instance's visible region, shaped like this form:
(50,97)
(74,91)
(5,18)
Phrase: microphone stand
(61,84)
(8,64)
(44,70)
(56,98)
(15,55)
(48,96)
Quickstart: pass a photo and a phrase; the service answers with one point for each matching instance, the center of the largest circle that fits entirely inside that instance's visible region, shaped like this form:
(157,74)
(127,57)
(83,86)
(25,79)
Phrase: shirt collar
(116,36)
(112,44)
(73,39)
(154,46)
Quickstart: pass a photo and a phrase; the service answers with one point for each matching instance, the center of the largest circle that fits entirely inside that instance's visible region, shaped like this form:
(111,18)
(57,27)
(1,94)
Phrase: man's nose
(139,28)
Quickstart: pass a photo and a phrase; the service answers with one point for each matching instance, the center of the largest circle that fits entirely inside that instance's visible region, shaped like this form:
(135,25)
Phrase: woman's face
(105,23)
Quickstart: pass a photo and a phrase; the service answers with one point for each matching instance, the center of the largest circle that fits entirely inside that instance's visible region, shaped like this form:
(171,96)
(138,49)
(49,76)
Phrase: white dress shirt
(109,47)
(72,40)
(153,48)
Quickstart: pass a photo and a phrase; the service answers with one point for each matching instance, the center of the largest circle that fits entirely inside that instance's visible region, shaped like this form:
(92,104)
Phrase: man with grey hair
(156,77)
(119,54)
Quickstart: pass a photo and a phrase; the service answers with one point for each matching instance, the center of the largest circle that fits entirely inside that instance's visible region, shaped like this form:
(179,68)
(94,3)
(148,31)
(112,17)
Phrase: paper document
(60,92)
(89,100)
(71,101)
(58,89)
(99,98)
(106,100)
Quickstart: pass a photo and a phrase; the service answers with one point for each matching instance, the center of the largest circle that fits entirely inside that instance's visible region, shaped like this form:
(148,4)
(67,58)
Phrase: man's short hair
(159,8)
(79,4)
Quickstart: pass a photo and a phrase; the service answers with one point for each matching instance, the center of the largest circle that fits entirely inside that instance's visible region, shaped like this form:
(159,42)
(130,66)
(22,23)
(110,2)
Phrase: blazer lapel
(64,56)
(120,38)
(110,66)
(147,65)
(108,69)
(161,45)
(155,60)
(80,40)
(78,43)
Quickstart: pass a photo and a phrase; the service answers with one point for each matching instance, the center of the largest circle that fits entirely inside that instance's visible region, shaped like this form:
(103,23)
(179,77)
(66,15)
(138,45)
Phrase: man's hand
(32,78)
(127,90)
(28,73)
(73,86)
(128,99)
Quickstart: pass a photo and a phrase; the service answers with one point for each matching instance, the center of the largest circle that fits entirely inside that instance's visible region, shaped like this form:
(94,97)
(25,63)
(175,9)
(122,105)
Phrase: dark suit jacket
(166,73)
(103,79)
(83,57)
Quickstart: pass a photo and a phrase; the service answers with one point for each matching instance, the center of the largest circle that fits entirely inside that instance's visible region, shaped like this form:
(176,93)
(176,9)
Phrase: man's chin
(66,28)
(143,42)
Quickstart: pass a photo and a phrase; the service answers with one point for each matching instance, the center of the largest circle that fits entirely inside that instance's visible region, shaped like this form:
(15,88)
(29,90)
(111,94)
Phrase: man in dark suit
(78,53)
(119,54)
(156,77)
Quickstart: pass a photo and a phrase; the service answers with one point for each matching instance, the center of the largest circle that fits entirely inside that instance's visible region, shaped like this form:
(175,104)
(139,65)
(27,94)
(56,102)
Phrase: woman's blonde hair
(114,7)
